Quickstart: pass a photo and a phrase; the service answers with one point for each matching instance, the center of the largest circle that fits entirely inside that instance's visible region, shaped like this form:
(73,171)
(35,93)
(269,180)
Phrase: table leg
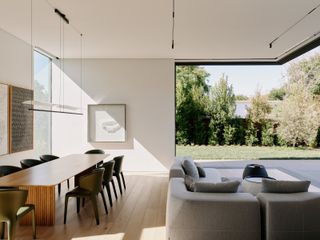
(43,197)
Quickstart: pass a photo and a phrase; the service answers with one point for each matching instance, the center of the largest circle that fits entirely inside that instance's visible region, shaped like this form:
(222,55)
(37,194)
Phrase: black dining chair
(48,158)
(96,151)
(90,186)
(27,163)
(107,178)
(7,169)
(117,172)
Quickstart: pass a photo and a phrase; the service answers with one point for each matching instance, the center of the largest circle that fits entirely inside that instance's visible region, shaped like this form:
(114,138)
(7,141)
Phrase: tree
(192,102)
(257,115)
(223,109)
(241,97)
(299,112)
(277,94)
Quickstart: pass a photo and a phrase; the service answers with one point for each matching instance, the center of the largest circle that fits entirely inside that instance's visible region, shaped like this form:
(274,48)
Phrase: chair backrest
(6,170)
(108,171)
(26,163)
(118,164)
(10,201)
(48,157)
(95,151)
(92,181)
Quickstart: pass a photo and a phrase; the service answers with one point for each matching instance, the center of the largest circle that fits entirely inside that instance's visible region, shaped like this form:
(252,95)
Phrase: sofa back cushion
(190,168)
(220,187)
(277,186)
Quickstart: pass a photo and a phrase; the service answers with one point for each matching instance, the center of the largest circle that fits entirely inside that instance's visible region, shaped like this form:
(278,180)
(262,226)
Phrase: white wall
(146,86)
(15,69)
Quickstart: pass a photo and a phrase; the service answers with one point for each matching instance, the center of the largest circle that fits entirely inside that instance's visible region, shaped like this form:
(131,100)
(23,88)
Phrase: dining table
(40,181)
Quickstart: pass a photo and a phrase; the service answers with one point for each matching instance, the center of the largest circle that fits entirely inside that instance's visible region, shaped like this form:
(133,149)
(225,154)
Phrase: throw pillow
(277,186)
(189,182)
(201,171)
(190,168)
(221,187)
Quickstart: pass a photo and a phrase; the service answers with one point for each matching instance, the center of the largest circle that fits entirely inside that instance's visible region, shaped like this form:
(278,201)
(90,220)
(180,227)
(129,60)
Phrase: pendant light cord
(31,46)
(173,23)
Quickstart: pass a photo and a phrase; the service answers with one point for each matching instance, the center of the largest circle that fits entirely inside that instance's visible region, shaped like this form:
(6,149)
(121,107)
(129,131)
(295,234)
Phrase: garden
(283,124)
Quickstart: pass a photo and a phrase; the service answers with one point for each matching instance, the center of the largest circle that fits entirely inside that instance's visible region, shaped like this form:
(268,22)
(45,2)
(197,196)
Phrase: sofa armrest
(290,216)
(202,216)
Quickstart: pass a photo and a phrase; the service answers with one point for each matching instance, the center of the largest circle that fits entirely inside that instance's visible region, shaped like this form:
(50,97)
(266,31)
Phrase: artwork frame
(20,120)
(4,118)
(107,123)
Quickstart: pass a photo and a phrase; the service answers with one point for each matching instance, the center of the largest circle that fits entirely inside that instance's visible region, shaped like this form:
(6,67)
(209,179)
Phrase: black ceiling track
(254,61)
(62,15)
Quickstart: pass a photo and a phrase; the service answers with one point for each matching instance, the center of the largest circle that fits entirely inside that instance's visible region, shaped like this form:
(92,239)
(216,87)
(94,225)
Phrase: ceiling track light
(173,24)
(292,26)
(62,15)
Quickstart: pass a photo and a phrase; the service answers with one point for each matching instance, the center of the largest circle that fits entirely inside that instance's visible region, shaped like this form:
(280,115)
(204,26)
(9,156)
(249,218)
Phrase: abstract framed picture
(107,123)
(21,120)
(4,119)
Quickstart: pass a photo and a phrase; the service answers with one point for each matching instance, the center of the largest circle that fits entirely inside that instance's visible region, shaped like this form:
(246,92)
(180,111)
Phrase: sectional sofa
(237,216)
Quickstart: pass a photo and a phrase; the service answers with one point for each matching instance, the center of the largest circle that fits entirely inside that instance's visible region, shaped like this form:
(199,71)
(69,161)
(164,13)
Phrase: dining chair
(7,169)
(107,178)
(90,186)
(27,163)
(48,158)
(117,172)
(12,208)
(96,151)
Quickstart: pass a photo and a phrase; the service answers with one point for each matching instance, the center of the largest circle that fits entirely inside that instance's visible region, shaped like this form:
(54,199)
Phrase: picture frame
(107,123)
(4,119)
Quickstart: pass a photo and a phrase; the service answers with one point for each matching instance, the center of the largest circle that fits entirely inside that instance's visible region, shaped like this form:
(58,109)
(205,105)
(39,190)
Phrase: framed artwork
(21,120)
(107,123)
(4,119)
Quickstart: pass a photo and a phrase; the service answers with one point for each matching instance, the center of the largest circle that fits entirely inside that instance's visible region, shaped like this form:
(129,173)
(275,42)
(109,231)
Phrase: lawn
(247,152)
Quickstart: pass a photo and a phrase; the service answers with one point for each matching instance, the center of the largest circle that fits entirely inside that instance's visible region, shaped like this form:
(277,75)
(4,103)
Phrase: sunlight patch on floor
(153,233)
(118,236)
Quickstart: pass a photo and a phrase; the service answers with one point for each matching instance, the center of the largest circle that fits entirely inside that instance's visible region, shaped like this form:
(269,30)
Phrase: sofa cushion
(220,187)
(190,168)
(277,186)
(189,182)
(212,175)
(201,171)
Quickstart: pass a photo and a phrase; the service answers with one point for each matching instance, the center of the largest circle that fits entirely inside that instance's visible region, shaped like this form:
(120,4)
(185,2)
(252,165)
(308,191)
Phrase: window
(42,93)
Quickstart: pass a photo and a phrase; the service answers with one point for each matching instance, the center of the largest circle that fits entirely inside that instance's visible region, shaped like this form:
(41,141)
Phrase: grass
(246,152)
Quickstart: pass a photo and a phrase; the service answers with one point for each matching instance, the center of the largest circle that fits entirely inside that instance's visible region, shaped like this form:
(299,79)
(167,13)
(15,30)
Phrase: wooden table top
(53,172)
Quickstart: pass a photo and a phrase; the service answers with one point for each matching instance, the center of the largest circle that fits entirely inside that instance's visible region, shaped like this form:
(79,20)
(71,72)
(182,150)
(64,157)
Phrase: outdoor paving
(301,169)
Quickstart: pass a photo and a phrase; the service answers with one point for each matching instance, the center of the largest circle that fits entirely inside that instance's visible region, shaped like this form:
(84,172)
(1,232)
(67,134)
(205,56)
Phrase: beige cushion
(276,186)
(222,187)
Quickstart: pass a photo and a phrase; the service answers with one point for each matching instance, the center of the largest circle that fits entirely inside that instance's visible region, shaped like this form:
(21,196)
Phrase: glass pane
(42,93)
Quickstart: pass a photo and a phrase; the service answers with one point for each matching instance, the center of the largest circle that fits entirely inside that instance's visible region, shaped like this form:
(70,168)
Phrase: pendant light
(56,107)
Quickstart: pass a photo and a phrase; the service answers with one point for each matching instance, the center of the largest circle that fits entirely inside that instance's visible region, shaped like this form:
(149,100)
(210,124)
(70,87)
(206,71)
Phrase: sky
(246,80)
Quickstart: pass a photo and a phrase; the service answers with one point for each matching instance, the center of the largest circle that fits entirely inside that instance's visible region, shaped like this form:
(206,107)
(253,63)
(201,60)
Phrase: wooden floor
(138,214)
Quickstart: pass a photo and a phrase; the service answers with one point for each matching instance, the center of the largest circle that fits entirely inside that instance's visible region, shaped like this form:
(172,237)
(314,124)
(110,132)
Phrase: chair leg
(2,226)
(109,193)
(11,226)
(124,182)
(68,183)
(114,189)
(104,201)
(78,204)
(65,209)
(59,188)
(95,208)
(119,183)
(34,224)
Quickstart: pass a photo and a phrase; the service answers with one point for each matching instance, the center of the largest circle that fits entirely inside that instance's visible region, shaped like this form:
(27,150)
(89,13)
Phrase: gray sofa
(233,216)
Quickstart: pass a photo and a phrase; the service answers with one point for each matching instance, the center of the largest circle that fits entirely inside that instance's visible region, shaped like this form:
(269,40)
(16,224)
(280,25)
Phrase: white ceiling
(204,29)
